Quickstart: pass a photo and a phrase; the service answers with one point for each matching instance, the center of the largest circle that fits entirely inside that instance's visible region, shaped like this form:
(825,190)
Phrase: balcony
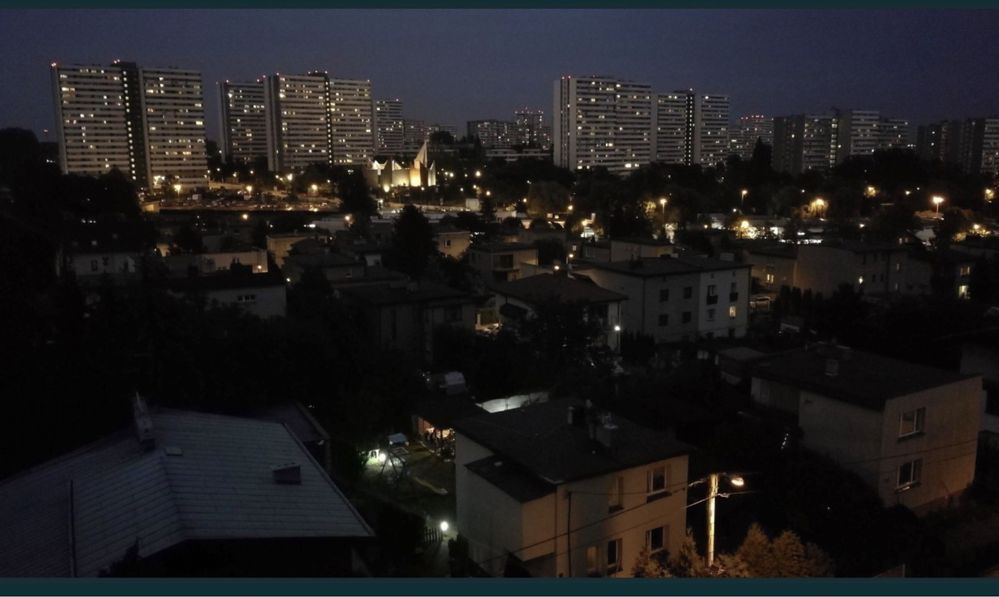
(733,296)
(711,300)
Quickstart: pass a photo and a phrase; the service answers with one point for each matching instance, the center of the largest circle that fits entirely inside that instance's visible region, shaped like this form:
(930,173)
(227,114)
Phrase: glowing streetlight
(249,188)
(478,174)
(444,526)
(246,217)
(714,480)
(742,195)
(990,194)
(819,205)
(290,177)
(176,188)
(871,191)
(937,200)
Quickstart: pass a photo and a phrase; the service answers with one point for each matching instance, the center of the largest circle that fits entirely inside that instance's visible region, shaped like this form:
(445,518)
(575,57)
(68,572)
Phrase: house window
(911,422)
(246,298)
(656,481)
(965,270)
(686,317)
(898,266)
(770,278)
(506,261)
(910,473)
(731,312)
(655,539)
(688,291)
(664,295)
(712,291)
(663,320)
(447,242)
(93,265)
(711,315)
(962,291)
(592,561)
(613,556)
(615,500)
(105,261)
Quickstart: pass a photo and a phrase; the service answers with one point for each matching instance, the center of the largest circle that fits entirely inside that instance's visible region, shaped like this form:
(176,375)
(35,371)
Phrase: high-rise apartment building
(174,107)
(858,133)
(530,129)
(244,120)
(91,120)
(388,126)
(602,122)
(980,146)
(711,129)
(804,142)
(752,128)
(493,134)
(671,138)
(298,122)
(149,123)
(414,134)
(351,121)
(894,133)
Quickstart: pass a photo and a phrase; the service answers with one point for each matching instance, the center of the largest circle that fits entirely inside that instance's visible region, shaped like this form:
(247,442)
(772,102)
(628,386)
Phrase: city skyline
(447,83)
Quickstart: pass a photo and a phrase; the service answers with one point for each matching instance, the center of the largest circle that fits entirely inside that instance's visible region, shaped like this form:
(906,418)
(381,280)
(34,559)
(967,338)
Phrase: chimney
(287,474)
(607,433)
(143,423)
(832,367)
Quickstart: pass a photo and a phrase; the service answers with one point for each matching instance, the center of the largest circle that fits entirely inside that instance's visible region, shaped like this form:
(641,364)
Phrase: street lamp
(990,194)
(937,200)
(742,196)
(714,481)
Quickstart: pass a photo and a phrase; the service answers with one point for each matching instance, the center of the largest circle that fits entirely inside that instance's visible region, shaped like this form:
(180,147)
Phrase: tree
(545,197)
(413,243)
(186,241)
(649,566)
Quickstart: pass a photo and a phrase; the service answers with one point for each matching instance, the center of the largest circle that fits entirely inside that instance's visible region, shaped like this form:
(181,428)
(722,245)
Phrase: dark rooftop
(863,379)
(543,287)
(224,280)
(785,250)
(640,240)
(501,247)
(540,439)
(648,267)
(422,292)
(513,479)
(859,246)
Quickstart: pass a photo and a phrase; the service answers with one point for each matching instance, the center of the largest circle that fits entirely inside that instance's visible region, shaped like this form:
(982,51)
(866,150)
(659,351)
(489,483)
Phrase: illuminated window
(911,422)
(910,473)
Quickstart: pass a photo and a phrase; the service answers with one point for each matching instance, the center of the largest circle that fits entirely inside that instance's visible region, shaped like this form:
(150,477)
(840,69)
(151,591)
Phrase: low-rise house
(562,490)
(451,241)
(774,264)
(209,263)
(625,249)
(501,262)
(336,267)
(181,494)
(280,245)
(910,431)
(405,317)
(516,301)
(945,271)
(874,268)
(980,356)
(91,257)
(676,299)
(263,295)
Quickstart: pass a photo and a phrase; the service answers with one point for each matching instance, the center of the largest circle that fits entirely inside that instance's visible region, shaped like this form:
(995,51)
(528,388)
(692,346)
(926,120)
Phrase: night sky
(451,66)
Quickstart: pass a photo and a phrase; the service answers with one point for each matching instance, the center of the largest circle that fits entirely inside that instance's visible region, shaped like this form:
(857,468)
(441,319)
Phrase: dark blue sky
(451,66)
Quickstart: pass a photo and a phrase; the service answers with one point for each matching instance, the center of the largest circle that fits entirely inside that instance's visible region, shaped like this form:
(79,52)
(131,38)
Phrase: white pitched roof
(209,477)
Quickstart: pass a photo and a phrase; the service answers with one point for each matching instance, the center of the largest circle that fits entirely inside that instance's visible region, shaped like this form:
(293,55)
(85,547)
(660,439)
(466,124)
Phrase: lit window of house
(657,481)
(910,473)
(615,499)
(731,312)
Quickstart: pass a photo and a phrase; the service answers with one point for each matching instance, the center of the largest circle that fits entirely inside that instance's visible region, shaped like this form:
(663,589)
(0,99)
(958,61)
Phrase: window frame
(918,422)
(915,475)
(617,565)
(662,539)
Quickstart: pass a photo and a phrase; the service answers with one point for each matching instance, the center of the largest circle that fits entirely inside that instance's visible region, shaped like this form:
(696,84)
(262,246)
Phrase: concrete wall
(868,442)
(772,272)
(822,269)
(538,531)
(641,312)
(264,301)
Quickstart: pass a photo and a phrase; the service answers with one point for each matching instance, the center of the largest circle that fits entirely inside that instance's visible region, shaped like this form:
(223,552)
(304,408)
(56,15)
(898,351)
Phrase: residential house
(942,270)
(263,295)
(874,268)
(501,262)
(405,317)
(211,262)
(980,356)
(910,431)
(180,494)
(451,241)
(675,299)
(774,264)
(517,300)
(559,489)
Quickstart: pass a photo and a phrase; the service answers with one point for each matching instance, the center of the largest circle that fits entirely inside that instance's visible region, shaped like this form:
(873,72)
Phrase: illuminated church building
(391,174)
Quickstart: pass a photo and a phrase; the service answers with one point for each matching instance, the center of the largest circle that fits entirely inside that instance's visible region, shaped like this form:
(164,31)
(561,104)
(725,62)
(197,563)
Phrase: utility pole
(712,494)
